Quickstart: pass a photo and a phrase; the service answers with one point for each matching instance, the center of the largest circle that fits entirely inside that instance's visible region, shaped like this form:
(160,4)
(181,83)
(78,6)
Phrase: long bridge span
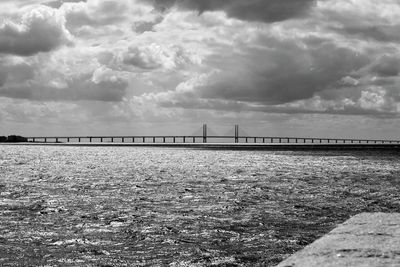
(205,138)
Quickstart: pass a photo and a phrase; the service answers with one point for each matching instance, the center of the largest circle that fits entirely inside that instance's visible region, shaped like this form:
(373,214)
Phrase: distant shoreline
(228,146)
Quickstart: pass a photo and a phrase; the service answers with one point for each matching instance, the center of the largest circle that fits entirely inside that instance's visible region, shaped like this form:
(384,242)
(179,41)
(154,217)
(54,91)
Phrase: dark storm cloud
(40,31)
(387,66)
(292,72)
(252,10)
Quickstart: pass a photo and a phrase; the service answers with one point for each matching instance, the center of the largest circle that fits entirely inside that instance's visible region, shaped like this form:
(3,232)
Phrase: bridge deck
(207,139)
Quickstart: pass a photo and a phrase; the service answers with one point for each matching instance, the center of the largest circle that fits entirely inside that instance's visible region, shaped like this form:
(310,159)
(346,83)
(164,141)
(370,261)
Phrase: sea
(155,206)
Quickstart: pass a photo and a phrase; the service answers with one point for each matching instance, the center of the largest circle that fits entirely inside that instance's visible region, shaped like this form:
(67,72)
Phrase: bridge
(205,138)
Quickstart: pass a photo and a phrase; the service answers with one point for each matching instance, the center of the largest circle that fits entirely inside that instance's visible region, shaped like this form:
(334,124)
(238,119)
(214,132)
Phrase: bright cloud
(155,56)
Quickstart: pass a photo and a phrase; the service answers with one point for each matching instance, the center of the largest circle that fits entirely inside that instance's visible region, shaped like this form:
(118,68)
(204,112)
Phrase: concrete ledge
(365,240)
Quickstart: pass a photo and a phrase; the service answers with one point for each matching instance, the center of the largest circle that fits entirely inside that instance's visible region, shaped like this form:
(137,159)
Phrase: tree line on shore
(13,139)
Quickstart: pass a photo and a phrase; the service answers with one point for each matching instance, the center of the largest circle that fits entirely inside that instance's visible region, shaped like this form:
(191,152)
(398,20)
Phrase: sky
(318,68)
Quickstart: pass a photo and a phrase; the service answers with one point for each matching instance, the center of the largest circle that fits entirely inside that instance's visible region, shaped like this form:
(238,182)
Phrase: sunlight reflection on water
(124,206)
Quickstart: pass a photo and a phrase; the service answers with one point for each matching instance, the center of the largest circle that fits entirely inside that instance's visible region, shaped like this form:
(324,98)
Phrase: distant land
(13,139)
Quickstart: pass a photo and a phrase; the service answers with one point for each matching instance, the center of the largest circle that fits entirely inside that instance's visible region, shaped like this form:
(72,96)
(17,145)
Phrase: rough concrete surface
(367,239)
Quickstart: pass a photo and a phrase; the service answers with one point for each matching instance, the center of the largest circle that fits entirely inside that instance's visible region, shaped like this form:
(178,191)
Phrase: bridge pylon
(204,133)
(236,133)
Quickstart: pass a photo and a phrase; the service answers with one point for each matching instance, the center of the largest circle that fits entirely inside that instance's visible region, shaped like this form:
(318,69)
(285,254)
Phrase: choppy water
(127,206)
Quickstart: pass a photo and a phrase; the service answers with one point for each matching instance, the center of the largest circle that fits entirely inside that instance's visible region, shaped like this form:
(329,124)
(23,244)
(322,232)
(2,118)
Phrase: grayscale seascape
(197,133)
(130,206)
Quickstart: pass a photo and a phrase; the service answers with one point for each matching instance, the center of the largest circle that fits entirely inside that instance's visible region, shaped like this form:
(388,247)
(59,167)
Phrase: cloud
(380,33)
(16,74)
(386,66)
(371,103)
(156,56)
(40,30)
(112,18)
(284,73)
(94,13)
(208,60)
(101,85)
(251,10)
(3,78)
(296,67)
(104,85)
(146,26)
(364,20)
(276,71)
(59,3)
